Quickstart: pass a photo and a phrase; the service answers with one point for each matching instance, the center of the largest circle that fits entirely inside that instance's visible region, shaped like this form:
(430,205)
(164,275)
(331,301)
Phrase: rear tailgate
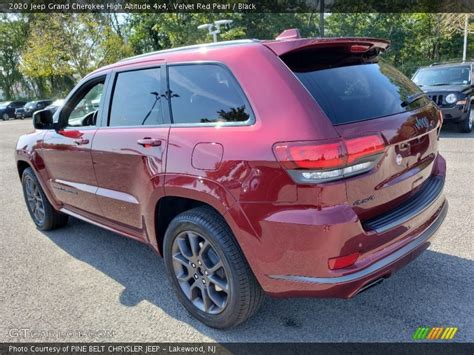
(363,96)
(412,145)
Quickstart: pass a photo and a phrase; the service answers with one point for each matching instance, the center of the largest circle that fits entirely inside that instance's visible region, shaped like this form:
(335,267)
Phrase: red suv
(291,167)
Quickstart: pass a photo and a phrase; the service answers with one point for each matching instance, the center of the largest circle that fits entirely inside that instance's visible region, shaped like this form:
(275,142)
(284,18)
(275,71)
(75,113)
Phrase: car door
(129,149)
(67,151)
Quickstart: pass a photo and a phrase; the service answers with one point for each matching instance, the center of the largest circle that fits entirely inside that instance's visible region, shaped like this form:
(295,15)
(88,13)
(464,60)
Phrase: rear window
(206,93)
(359,92)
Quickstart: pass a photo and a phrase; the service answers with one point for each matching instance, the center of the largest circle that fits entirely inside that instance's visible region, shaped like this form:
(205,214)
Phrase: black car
(450,86)
(7,109)
(53,107)
(31,107)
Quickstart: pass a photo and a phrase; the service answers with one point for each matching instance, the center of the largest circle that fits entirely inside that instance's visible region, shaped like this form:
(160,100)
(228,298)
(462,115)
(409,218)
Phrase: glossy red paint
(114,177)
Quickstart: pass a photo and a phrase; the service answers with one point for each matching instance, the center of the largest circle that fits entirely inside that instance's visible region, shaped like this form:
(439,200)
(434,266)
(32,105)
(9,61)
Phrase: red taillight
(342,262)
(360,147)
(316,162)
(323,156)
(311,156)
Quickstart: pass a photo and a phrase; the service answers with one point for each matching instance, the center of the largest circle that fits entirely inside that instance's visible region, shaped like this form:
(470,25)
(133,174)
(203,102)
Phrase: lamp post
(214,28)
(466,24)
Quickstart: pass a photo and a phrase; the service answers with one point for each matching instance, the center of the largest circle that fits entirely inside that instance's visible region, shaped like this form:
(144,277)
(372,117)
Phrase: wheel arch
(183,197)
(21,166)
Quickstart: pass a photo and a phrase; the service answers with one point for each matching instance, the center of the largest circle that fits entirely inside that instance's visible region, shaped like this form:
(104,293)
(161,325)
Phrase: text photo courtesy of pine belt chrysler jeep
(288,167)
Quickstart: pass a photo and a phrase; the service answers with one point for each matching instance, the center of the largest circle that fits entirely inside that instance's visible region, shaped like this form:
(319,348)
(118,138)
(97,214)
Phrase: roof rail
(191,47)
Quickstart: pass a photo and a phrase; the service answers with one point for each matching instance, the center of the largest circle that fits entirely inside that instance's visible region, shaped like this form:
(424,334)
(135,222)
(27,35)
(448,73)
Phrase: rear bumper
(290,248)
(347,286)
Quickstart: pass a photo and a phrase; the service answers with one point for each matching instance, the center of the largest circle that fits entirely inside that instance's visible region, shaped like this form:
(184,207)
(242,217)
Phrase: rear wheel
(41,211)
(208,270)
(466,125)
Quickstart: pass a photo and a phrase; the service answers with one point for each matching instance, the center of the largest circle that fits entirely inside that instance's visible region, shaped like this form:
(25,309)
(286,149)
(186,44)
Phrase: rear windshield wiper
(412,98)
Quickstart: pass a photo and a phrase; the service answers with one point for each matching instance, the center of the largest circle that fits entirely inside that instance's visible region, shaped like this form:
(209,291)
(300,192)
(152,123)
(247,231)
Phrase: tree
(62,48)
(416,38)
(151,32)
(12,40)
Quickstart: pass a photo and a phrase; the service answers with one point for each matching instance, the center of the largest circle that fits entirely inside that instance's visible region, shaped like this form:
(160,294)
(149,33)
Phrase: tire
(35,198)
(5,117)
(232,291)
(465,126)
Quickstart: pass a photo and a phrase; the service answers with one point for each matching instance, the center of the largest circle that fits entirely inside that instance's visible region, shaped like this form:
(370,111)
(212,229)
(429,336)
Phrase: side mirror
(43,119)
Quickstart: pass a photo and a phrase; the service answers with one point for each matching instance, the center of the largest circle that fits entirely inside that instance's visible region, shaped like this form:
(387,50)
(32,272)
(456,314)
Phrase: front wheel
(5,117)
(41,211)
(208,270)
(466,125)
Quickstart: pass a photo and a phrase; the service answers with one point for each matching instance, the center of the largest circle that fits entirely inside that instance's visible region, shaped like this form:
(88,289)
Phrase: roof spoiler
(291,33)
(288,42)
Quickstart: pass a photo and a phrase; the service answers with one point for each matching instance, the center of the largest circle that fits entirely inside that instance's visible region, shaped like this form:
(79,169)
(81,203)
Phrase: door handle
(149,142)
(81,141)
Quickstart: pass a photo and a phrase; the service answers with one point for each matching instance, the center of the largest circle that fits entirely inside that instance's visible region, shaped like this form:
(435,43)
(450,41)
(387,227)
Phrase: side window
(204,93)
(84,107)
(136,98)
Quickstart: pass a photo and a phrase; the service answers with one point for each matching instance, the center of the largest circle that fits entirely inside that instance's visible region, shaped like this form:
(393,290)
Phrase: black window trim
(87,82)
(250,122)
(161,65)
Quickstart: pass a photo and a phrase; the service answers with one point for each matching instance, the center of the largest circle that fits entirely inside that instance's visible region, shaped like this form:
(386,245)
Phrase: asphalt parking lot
(82,283)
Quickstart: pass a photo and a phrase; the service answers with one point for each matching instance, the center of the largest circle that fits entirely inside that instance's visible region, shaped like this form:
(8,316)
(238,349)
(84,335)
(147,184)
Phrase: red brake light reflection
(327,156)
(359,48)
(342,262)
(311,156)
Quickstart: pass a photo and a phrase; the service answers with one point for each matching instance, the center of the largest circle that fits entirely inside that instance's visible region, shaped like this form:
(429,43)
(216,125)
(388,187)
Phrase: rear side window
(359,92)
(136,98)
(205,93)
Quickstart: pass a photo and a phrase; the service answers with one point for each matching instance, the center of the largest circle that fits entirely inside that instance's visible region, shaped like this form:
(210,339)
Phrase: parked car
(7,109)
(53,107)
(450,87)
(289,167)
(31,107)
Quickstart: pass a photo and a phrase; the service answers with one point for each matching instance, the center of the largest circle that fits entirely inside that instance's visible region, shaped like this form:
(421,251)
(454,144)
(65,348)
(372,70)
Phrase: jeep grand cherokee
(289,167)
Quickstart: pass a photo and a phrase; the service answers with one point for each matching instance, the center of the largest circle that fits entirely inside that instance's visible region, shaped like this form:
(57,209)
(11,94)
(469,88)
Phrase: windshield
(4,104)
(442,76)
(30,104)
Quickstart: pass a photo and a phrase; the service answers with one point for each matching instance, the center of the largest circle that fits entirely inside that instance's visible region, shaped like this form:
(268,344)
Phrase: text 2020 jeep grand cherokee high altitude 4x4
(292,167)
